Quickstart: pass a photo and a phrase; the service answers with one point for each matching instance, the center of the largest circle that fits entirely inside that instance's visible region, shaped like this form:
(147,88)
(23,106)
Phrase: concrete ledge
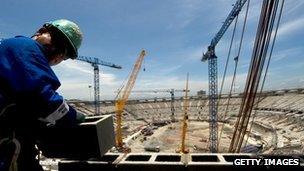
(169,161)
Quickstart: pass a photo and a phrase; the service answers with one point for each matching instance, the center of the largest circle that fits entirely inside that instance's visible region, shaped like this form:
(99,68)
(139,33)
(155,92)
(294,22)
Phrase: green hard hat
(72,34)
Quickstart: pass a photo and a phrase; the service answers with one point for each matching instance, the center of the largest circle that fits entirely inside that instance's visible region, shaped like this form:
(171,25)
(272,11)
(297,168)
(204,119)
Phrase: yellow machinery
(185,121)
(123,96)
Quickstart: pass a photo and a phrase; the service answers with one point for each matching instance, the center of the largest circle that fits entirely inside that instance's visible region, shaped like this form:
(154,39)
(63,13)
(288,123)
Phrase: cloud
(188,10)
(170,69)
(253,12)
(193,53)
(282,54)
(289,82)
(291,7)
(239,84)
(291,27)
(297,65)
(76,76)
(72,71)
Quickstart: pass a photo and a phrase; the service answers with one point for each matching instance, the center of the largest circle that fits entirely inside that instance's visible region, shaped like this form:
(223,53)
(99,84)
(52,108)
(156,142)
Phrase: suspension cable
(227,60)
(225,70)
(264,33)
(235,68)
(266,70)
(263,53)
(226,66)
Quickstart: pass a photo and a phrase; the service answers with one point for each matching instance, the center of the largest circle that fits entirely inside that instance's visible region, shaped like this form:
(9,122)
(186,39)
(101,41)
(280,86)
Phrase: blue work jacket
(28,82)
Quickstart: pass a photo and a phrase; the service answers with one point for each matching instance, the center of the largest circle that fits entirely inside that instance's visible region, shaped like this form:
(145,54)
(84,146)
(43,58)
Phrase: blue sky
(173,32)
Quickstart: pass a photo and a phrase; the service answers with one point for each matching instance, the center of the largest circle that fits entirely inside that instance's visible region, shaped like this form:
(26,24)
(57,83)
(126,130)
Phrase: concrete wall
(164,162)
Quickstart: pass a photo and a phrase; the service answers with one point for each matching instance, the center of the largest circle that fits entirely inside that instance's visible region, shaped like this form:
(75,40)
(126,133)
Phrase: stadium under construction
(209,130)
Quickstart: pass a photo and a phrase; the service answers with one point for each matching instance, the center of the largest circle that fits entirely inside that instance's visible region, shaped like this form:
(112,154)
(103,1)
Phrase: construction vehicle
(122,98)
(212,72)
(95,62)
(152,148)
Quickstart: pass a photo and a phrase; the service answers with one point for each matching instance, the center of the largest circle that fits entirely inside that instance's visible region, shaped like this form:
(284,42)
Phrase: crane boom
(237,7)
(212,74)
(95,62)
(123,97)
(133,76)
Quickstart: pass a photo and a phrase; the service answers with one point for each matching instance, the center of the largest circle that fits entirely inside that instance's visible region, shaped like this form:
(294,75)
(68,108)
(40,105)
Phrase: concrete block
(138,158)
(151,161)
(204,161)
(90,139)
(167,162)
(106,162)
(204,158)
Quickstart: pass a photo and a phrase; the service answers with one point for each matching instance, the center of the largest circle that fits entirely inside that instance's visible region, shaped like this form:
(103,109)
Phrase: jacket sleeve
(51,106)
(56,108)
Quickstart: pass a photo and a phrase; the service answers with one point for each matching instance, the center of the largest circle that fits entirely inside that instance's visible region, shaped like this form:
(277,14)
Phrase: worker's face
(45,39)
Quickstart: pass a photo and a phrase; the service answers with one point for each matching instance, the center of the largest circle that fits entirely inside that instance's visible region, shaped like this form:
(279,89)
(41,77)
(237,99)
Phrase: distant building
(201,93)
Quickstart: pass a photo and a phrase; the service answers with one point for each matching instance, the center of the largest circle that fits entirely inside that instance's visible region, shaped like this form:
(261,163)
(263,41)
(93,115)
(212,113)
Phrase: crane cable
(266,70)
(227,61)
(264,33)
(225,70)
(235,68)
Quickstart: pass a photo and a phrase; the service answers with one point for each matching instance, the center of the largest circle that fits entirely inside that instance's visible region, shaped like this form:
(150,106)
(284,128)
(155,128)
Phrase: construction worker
(28,97)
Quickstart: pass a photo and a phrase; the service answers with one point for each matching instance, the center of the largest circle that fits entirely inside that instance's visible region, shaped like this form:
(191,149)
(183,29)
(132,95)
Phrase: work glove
(80,117)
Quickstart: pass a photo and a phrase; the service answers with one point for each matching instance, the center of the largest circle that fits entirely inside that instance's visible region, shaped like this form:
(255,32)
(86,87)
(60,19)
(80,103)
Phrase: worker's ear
(40,32)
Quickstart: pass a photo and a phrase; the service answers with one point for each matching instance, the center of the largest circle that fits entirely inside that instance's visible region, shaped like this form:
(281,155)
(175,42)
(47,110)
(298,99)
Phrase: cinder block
(105,163)
(168,158)
(203,161)
(204,158)
(167,162)
(138,158)
(90,139)
(151,161)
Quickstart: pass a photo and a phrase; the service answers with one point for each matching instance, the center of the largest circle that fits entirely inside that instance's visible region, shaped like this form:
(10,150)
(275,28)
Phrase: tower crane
(171,91)
(95,62)
(123,96)
(212,74)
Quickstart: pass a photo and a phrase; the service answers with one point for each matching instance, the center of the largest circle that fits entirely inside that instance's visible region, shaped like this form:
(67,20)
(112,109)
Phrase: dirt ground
(168,138)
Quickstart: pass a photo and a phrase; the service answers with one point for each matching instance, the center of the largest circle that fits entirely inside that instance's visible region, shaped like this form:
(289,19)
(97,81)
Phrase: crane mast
(95,62)
(185,120)
(123,97)
(212,74)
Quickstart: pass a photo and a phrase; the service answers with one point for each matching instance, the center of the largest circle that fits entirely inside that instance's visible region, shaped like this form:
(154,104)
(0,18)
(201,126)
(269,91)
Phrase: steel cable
(267,37)
(263,37)
(258,67)
(235,68)
(225,70)
(266,70)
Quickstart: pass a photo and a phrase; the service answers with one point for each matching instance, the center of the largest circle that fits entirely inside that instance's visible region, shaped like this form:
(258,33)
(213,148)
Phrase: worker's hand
(80,117)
